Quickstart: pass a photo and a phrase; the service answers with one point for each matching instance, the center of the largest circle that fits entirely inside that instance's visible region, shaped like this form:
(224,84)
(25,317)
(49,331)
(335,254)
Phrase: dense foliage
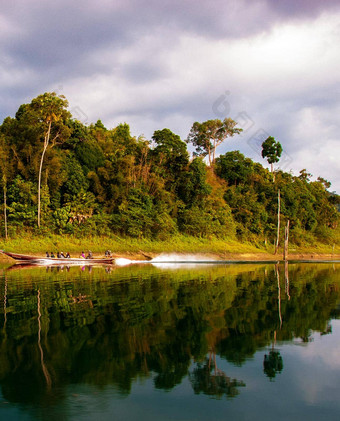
(103,181)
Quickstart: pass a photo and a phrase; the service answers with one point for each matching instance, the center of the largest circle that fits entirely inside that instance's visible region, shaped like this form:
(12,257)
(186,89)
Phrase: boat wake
(121,261)
(168,259)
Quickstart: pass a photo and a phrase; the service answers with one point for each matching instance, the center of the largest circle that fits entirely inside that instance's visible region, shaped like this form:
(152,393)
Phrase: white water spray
(121,261)
(167,259)
(176,257)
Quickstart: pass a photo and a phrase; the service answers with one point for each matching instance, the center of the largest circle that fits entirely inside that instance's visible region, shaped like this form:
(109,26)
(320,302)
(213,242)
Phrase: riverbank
(228,249)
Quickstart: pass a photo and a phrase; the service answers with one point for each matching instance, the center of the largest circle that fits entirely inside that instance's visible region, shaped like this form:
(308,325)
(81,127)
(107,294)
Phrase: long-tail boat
(24,258)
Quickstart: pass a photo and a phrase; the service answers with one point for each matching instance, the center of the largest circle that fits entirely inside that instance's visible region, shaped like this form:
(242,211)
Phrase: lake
(170,342)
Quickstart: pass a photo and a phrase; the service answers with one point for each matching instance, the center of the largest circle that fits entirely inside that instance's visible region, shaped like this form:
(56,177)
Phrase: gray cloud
(155,64)
(302,8)
(52,33)
(57,37)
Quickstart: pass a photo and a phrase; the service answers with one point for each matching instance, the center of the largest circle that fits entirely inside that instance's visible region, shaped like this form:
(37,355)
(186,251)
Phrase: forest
(60,176)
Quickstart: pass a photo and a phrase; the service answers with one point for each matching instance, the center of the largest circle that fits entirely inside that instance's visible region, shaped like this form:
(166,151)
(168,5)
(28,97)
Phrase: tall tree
(272,150)
(207,136)
(47,116)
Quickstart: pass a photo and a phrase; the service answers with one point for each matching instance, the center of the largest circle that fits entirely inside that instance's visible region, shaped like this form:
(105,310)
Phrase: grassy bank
(227,248)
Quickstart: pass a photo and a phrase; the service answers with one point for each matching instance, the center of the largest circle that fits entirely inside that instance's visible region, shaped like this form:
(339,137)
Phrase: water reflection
(43,365)
(207,378)
(98,327)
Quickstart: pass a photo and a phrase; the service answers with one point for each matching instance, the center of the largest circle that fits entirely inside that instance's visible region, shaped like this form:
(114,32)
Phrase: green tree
(272,150)
(212,218)
(50,109)
(234,167)
(125,143)
(100,125)
(43,120)
(170,153)
(207,136)
(22,201)
(136,214)
(193,186)
(90,155)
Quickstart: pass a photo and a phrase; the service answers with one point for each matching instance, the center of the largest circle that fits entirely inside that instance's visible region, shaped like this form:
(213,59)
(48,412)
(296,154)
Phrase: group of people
(60,255)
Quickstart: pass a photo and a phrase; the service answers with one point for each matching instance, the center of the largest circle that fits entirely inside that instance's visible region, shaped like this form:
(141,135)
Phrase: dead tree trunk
(278,221)
(5,208)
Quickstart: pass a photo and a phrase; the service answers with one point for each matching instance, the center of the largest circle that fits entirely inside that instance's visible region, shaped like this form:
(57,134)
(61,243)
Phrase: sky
(271,65)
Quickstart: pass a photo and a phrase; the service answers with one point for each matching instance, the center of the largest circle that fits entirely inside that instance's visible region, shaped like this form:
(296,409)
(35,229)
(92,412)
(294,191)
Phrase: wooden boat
(24,258)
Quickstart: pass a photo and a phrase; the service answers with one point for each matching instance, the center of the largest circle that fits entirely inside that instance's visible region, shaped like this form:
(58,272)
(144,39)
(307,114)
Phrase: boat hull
(23,258)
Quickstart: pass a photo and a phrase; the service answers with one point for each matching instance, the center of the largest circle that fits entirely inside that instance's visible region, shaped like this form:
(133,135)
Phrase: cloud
(318,385)
(52,34)
(302,8)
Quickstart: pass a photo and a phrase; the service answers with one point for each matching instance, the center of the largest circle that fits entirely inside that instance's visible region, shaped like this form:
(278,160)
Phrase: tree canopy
(89,179)
(272,150)
(207,136)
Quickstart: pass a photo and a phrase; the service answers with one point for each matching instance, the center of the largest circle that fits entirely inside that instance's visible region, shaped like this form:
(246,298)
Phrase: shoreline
(246,257)
(232,257)
(176,248)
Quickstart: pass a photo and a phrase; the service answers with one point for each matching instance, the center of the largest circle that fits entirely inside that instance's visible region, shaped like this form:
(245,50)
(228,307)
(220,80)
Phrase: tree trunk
(46,141)
(278,222)
(214,151)
(5,207)
(285,252)
(209,155)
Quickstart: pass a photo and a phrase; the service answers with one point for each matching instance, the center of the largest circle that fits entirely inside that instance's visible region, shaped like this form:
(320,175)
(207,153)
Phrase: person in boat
(58,255)
(90,255)
(52,255)
(47,254)
(68,256)
(82,255)
(62,255)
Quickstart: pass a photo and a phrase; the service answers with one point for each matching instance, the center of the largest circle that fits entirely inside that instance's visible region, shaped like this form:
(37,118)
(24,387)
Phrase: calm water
(143,342)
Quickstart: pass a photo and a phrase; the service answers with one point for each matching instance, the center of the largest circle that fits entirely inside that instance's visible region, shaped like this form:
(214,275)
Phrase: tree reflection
(114,328)
(208,379)
(43,365)
(272,364)
(278,292)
